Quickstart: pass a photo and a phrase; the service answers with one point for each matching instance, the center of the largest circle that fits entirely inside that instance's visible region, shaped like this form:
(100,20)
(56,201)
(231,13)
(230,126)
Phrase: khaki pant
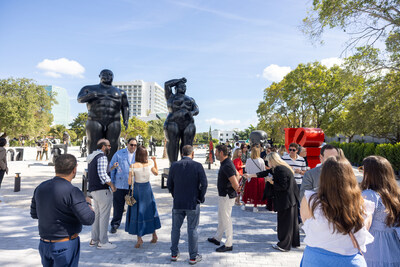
(225,205)
(102,207)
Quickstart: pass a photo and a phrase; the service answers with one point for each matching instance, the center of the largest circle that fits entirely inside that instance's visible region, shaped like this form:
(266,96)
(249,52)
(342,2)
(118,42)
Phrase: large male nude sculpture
(105,103)
(179,125)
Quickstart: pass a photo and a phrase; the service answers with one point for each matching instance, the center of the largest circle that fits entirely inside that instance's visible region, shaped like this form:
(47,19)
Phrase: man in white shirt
(299,166)
(297,163)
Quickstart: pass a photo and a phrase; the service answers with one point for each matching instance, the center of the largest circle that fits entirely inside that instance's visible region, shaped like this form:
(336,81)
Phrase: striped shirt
(298,163)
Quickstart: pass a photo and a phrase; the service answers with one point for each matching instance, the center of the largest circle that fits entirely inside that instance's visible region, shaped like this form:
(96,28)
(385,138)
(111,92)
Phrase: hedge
(356,152)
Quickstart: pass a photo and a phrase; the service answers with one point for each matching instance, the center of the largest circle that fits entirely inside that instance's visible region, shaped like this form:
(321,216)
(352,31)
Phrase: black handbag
(268,191)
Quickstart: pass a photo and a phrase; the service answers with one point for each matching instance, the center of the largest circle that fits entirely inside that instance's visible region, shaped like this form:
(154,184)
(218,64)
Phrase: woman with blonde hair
(336,218)
(254,188)
(380,186)
(286,195)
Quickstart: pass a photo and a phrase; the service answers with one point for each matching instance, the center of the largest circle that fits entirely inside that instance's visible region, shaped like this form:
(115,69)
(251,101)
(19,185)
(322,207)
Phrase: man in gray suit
(311,177)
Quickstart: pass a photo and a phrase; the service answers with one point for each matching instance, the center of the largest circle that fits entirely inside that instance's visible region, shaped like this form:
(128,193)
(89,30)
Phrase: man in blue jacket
(119,177)
(187,182)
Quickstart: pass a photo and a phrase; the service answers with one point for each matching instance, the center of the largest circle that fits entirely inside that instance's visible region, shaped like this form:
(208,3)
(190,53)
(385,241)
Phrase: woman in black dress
(286,195)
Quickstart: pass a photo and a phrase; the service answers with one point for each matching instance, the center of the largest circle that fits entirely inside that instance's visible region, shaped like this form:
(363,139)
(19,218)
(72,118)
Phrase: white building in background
(144,97)
(223,135)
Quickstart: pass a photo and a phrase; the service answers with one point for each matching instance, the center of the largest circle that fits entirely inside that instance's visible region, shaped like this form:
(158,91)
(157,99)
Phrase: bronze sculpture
(179,128)
(105,103)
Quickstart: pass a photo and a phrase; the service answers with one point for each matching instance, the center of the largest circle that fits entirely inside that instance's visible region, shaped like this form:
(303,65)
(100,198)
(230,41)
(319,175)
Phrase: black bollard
(17,182)
(85,183)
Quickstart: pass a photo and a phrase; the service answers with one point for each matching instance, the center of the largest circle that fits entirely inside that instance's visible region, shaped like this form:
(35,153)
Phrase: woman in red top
(237,161)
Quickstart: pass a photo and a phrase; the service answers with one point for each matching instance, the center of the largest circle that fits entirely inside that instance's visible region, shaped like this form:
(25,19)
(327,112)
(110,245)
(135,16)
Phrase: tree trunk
(164,156)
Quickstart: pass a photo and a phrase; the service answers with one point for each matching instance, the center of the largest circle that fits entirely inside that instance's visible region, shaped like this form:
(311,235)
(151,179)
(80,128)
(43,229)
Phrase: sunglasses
(292,149)
(132,144)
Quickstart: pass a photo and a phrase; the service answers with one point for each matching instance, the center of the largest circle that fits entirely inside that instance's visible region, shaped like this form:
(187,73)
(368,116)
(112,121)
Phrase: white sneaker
(108,245)
(243,207)
(255,209)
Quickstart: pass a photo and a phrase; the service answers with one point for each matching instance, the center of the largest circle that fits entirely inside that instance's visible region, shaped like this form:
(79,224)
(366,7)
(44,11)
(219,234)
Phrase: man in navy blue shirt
(62,210)
(187,182)
(227,185)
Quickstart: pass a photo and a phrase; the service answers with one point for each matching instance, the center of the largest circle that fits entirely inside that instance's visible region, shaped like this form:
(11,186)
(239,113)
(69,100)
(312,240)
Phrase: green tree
(383,108)
(25,107)
(309,96)
(78,125)
(201,138)
(136,127)
(366,21)
(57,131)
(245,134)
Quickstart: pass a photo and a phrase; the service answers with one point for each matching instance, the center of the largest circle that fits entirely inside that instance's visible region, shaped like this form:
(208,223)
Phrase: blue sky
(229,51)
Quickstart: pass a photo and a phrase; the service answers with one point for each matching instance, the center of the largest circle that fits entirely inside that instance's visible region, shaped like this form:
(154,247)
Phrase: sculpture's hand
(126,123)
(183,79)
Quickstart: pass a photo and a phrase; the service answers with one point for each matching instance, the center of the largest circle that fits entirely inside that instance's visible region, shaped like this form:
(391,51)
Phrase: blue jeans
(178,216)
(60,254)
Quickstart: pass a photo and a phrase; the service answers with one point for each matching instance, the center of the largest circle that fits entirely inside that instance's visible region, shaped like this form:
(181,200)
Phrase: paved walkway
(254,233)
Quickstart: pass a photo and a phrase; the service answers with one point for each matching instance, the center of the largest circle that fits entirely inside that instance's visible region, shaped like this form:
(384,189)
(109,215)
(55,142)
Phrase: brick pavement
(254,233)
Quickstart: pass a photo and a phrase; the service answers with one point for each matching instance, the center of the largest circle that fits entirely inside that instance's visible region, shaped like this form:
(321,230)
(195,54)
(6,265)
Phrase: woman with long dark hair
(380,186)
(336,218)
(142,218)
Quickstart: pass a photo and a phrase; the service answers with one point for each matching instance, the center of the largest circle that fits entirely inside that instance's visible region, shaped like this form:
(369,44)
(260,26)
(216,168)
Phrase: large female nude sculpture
(179,125)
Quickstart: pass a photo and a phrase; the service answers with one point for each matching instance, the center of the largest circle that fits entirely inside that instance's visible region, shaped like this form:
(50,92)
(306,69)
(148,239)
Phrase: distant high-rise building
(144,97)
(60,110)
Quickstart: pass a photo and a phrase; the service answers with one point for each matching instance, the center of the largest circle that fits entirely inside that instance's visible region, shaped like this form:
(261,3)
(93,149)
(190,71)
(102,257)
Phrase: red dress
(254,191)
(238,165)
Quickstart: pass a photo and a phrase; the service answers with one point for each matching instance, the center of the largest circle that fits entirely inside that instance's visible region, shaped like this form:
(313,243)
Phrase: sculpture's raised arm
(171,83)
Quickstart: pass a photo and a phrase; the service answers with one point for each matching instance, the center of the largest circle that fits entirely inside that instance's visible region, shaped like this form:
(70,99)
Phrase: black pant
(118,205)
(288,228)
(2,172)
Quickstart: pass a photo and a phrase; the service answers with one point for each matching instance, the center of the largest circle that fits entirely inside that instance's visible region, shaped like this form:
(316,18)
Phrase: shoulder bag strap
(256,165)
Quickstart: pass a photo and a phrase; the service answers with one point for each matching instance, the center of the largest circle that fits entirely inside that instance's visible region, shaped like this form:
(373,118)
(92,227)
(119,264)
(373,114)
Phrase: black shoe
(223,249)
(113,230)
(213,240)
(279,248)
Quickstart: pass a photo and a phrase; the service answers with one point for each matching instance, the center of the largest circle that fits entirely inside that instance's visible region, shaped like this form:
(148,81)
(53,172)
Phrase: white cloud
(216,121)
(275,73)
(57,67)
(330,62)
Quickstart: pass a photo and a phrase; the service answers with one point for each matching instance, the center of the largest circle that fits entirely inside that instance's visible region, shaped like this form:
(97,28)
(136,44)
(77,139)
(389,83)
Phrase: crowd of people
(345,223)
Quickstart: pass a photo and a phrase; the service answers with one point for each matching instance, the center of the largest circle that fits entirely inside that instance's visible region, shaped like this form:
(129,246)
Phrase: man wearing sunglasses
(119,177)
(298,165)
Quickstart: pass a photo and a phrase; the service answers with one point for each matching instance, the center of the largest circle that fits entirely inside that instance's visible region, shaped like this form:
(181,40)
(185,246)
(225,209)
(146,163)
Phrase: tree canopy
(25,107)
(368,22)
(309,96)
(78,125)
